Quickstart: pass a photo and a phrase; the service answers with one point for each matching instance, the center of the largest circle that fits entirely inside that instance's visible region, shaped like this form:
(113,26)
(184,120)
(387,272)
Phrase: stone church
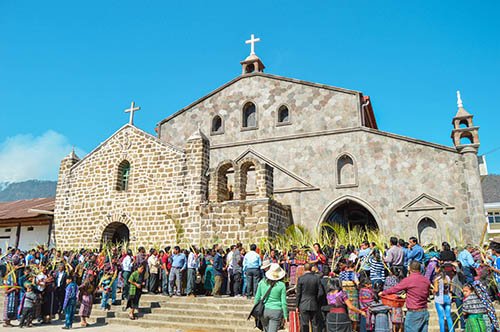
(263,152)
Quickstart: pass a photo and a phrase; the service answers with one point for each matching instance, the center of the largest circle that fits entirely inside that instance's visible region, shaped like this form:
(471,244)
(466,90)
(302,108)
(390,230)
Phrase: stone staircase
(193,314)
(188,314)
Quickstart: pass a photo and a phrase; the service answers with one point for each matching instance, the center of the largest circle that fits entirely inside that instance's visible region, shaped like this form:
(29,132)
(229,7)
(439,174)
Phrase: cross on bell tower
(252,63)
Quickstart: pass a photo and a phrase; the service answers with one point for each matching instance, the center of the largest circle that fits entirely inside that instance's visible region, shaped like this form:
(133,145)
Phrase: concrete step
(196,312)
(192,326)
(197,299)
(213,320)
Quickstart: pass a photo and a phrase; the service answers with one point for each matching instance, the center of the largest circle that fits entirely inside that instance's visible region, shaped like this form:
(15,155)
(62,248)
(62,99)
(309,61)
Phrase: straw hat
(265,264)
(275,272)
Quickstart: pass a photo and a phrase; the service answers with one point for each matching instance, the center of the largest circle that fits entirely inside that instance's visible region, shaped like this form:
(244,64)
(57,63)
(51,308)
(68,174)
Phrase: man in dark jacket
(309,292)
(218,272)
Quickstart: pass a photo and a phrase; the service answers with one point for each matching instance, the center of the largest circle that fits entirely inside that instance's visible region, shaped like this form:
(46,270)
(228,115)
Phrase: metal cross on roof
(131,110)
(252,42)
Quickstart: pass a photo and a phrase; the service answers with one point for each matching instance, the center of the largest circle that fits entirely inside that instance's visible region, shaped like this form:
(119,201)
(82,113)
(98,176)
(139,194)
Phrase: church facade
(263,152)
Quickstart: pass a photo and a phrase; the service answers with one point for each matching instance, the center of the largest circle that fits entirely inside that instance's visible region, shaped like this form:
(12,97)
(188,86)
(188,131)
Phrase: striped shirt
(377,270)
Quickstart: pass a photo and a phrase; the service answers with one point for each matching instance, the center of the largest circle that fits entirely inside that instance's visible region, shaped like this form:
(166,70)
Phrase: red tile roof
(20,209)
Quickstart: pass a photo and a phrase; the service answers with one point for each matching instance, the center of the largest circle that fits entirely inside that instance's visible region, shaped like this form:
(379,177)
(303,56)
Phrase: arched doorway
(426,230)
(350,214)
(115,232)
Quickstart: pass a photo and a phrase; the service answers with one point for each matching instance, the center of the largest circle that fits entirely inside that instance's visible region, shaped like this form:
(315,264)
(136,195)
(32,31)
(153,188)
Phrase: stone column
(63,199)
(196,184)
(475,203)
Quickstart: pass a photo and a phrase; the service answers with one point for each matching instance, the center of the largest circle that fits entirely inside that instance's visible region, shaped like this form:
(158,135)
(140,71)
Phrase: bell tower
(464,134)
(466,140)
(252,63)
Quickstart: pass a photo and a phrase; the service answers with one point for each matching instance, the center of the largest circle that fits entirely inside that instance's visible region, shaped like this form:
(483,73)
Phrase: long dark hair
(334,284)
(441,274)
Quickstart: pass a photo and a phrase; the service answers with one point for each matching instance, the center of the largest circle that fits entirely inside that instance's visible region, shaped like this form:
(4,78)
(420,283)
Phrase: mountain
(26,190)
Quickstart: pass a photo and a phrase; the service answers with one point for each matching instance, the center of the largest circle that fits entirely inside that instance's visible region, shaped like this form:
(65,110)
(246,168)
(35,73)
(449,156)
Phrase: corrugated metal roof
(491,188)
(20,209)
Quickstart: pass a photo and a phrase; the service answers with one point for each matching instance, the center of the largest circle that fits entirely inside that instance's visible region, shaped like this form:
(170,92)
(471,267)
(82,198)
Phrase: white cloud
(26,157)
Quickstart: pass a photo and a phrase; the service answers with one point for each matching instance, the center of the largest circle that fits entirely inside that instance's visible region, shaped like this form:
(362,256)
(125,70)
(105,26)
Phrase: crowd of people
(343,288)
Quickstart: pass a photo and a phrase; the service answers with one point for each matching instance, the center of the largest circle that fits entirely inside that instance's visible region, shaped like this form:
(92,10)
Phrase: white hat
(265,264)
(275,272)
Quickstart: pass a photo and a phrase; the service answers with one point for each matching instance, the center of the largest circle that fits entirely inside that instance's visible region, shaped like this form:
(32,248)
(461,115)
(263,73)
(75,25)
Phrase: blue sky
(68,69)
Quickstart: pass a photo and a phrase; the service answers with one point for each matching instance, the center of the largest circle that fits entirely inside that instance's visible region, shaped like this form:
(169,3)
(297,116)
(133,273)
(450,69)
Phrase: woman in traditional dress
(397,315)
(49,301)
(474,310)
(317,257)
(476,306)
(337,319)
(209,283)
(86,297)
(350,282)
(11,300)
(136,281)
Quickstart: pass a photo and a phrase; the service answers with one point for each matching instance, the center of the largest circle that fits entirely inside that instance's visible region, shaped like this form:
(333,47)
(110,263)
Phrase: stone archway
(116,232)
(426,229)
(113,224)
(350,212)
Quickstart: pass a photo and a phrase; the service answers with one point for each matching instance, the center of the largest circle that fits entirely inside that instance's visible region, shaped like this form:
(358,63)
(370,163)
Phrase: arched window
(123,176)
(248,179)
(250,68)
(426,230)
(225,185)
(217,127)
(283,115)
(466,138)
(346,171)
(249,115)
(464,123)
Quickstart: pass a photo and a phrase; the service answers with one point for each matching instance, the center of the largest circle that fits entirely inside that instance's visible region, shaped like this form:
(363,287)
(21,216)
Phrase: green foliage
(326,235)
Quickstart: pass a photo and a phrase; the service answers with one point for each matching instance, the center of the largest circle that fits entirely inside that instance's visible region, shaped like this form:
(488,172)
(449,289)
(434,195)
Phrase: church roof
(275,77)
(462,113)
(137,130)
(491,188)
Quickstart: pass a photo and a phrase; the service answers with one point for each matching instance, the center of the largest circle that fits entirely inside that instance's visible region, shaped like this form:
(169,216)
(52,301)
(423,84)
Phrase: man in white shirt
(154,269)
(127,265)
(193,265)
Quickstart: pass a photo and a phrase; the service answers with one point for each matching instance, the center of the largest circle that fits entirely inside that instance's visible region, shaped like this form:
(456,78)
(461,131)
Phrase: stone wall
(388,175)
(87,200)
(246,221)
(166,199)
(312,108)
(392,171)
(398,180)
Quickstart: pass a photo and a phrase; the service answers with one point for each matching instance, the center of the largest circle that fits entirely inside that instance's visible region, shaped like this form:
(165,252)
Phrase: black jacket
(309,292)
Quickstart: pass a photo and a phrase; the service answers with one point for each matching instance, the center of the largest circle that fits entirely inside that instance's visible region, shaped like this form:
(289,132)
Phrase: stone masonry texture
(178,185)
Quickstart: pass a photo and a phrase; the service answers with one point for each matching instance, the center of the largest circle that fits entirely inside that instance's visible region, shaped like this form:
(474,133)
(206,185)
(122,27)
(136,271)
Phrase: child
(366,297)
(349,280)
(397,315)
(69,305)
(474,309)
(27,312)
(106,290)
(478,307)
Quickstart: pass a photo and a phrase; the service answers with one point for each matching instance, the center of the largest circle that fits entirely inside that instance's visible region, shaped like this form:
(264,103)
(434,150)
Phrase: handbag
(258,310)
